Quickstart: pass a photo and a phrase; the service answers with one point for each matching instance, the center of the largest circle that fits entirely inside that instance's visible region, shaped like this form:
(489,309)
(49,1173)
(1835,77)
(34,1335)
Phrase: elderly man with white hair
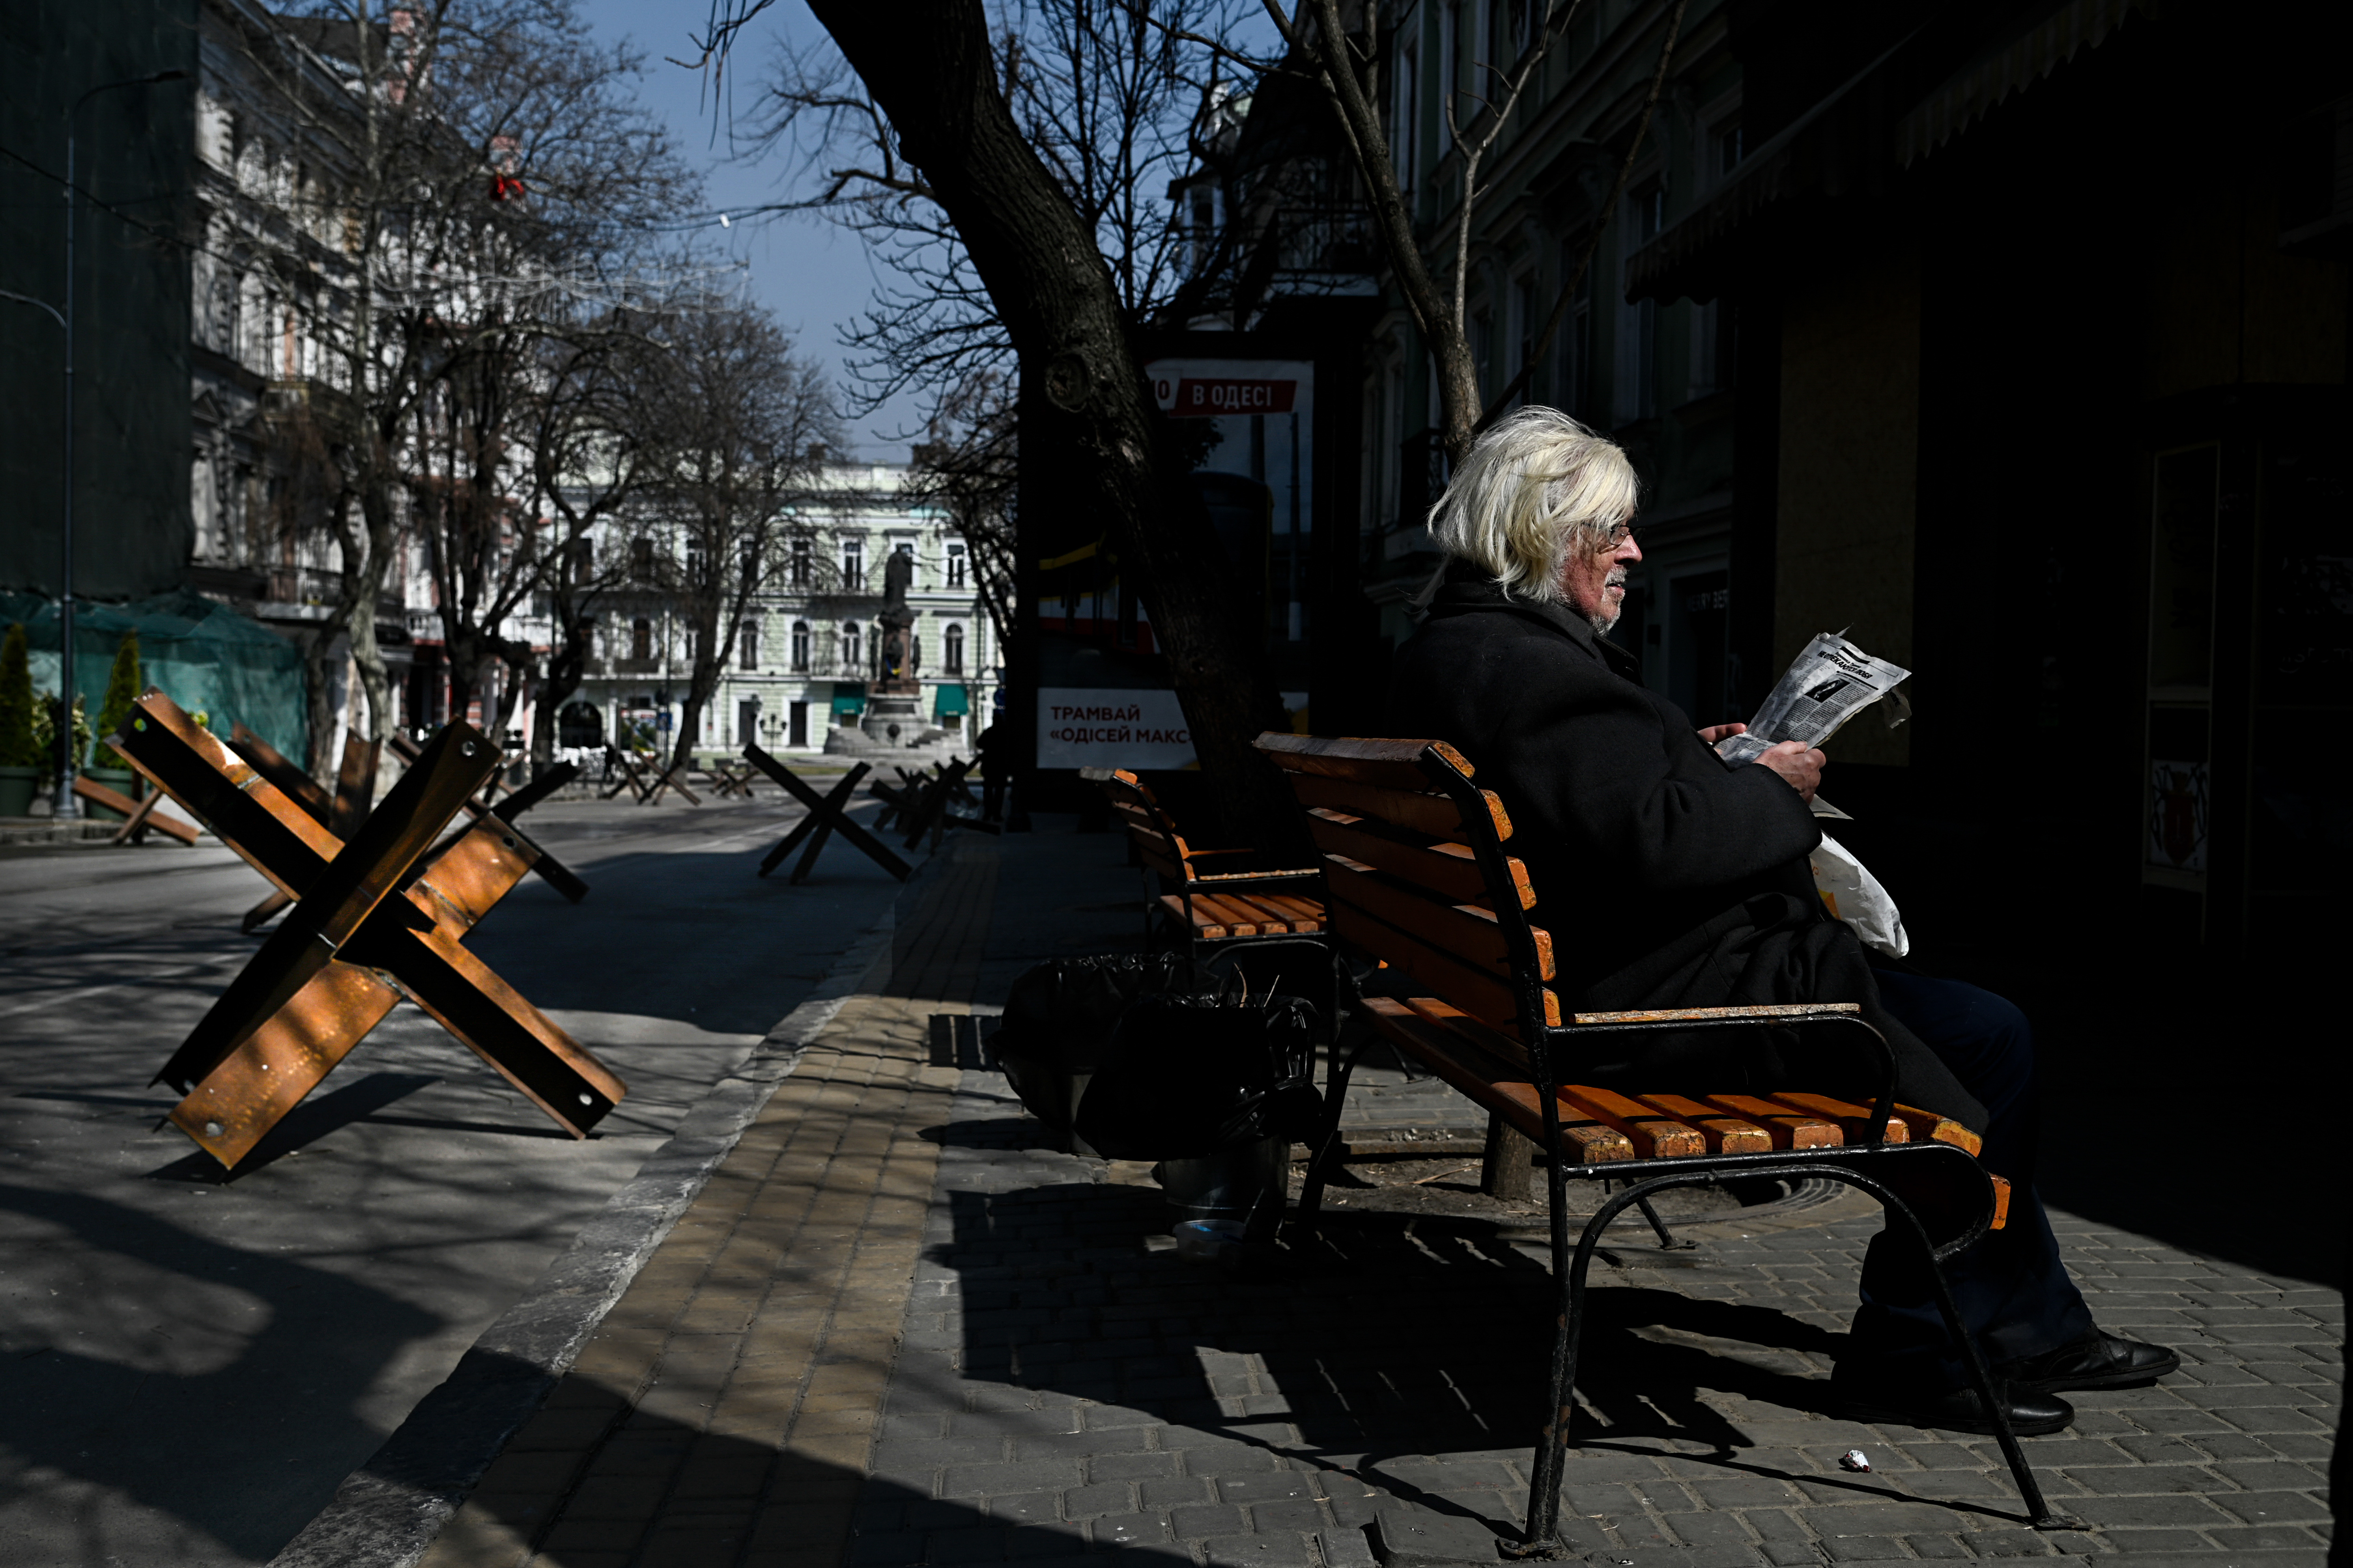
(1670,879)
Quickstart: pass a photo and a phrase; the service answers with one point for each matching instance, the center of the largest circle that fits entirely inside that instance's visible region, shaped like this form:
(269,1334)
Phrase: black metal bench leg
(1327,1140)
(1560,1407)
(1666,1238)
(2039,1513)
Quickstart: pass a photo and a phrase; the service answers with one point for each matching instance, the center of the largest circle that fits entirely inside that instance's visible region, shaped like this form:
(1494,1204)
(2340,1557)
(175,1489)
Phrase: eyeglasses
(1619,535)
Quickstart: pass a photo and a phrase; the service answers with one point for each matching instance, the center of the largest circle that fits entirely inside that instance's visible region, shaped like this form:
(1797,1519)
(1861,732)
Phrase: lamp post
(63,805)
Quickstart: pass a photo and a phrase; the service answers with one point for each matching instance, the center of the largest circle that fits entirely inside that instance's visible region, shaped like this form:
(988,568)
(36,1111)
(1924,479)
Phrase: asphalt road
(189,1367)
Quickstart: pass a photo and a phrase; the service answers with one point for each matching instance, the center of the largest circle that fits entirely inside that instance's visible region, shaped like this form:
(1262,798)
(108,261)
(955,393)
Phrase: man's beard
(1605,620)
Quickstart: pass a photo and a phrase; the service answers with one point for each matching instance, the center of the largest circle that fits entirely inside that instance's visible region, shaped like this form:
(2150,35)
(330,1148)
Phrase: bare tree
(1345,65)
(743,423)
(942,103)
(431,165)
(585,424)
(970,469)
(1112,98)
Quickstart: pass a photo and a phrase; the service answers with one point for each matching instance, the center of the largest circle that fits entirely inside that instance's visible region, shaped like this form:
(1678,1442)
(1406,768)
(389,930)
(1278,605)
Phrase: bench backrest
(1149,827)
(1415,874)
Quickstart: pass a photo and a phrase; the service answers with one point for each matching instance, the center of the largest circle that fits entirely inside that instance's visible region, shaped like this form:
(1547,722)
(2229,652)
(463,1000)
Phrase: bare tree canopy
(735,426)
(438,187)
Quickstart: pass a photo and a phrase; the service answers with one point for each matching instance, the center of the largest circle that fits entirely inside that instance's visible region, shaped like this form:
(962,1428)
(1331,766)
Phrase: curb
(386,1512)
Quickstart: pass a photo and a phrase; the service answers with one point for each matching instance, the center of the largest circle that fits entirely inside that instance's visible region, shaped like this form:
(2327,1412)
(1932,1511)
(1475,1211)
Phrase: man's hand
(1798,762)
(1715,732)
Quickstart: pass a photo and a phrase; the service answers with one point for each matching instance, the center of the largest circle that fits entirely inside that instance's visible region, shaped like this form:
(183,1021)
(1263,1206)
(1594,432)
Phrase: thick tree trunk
(565,662)
(380,520)
(937,82)
(319,697)
(700,684)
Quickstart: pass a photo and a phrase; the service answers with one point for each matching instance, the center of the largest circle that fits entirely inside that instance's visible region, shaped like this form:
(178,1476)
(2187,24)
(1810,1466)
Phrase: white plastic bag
(1853,894)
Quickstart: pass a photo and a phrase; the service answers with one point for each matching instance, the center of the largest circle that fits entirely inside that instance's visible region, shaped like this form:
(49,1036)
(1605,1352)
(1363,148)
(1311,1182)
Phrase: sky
(813,276)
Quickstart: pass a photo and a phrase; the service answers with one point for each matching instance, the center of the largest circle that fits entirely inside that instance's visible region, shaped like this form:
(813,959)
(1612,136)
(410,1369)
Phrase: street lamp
(64,806)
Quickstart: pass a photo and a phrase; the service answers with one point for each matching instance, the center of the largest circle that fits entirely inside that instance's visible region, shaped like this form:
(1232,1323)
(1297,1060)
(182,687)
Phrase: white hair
(1535,486)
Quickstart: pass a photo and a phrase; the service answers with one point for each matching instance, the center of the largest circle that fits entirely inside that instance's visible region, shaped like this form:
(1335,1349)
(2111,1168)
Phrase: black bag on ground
(1188,1074)
(1060,1017)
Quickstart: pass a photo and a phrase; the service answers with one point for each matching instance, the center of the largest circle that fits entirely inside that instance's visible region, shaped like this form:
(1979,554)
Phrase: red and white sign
(1213,397)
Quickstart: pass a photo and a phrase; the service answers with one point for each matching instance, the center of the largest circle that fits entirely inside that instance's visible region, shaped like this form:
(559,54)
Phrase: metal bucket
(1246,1184)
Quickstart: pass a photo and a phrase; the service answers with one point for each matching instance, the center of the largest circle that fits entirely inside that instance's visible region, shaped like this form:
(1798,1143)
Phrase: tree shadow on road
(260,1370)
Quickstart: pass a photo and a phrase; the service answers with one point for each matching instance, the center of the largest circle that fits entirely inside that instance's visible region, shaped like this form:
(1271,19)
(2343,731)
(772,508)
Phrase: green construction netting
(203,655)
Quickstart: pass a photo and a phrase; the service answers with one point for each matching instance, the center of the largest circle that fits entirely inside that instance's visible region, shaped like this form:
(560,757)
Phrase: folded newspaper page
(1829,684)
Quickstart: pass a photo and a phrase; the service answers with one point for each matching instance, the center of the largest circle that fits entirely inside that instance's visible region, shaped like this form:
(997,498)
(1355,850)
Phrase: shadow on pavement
(1390,1339)
(305,1124)
(655,1490)
(661,936)
(255,1342)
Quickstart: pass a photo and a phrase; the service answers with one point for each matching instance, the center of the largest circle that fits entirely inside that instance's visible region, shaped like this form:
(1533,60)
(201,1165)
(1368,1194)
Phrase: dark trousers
(2011,1288)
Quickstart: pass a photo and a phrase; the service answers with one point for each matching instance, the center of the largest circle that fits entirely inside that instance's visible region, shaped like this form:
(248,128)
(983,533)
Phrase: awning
(1780,168)
(848,696)
(1832,148)
(951,701)
(1971,92)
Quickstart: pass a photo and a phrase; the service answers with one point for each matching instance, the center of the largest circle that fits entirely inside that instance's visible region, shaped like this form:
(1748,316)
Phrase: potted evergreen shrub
(47,711)
(20,753)
(122,689)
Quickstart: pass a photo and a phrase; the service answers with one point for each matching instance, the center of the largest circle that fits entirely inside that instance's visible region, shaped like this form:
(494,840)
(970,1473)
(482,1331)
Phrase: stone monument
(893,706)
(894,725)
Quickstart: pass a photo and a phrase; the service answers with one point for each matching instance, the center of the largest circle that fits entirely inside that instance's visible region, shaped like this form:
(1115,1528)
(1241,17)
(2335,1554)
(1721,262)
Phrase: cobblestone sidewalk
(895,1331)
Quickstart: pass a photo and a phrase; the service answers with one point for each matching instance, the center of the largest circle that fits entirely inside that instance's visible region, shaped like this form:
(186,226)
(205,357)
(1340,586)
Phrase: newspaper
(1829,684)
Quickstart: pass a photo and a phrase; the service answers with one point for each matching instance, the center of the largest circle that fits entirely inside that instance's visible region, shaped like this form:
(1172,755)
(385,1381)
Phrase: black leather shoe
(2031,1413)
(2096,1360)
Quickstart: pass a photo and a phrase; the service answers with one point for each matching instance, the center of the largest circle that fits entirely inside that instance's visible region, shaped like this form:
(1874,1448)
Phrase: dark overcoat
(1666,877)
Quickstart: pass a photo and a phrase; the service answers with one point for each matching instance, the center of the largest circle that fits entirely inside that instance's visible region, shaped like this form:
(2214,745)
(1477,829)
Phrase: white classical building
(805,655)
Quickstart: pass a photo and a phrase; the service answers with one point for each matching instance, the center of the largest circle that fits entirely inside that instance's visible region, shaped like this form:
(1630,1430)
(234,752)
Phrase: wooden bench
(1206,910)
(1417,876)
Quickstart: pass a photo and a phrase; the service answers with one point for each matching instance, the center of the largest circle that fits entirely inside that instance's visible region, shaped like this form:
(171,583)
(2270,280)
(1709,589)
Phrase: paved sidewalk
(897,1330)
(193,1365)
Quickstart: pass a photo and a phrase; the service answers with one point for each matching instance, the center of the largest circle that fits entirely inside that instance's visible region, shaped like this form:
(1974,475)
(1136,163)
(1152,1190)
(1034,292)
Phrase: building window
(952,649)
(955,566)
(1730,146)
(802,566)
(853,653)
(800,645)
(583,561)
(1647,210)
(748,644)
(641,558)
(641,638)
(853,564)
(1450,27)
(1638,323)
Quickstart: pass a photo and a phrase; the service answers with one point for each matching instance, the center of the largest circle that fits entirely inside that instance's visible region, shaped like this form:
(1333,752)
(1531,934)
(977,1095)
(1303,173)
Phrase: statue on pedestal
(897,672)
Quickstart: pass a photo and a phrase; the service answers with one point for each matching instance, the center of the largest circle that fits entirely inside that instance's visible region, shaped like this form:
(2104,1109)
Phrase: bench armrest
(1259,876)
(1717,1014)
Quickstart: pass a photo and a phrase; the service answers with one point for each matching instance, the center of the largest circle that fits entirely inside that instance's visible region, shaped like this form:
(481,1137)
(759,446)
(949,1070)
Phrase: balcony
(1330,247)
